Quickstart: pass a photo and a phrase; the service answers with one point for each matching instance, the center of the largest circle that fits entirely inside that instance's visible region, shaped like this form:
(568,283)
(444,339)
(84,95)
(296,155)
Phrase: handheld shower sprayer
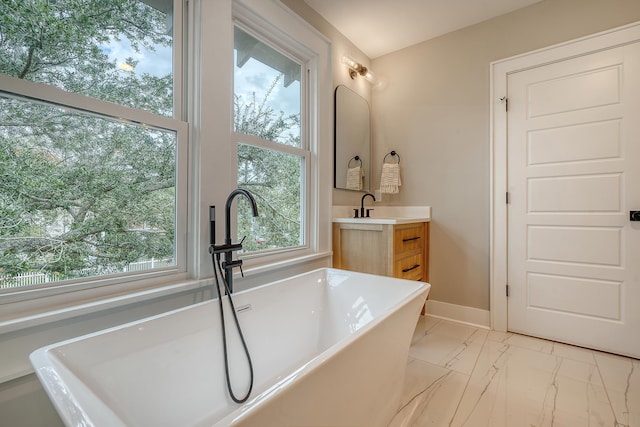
(227,279)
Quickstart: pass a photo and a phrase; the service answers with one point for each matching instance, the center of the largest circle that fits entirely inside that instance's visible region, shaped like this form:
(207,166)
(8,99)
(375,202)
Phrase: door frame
(499,71)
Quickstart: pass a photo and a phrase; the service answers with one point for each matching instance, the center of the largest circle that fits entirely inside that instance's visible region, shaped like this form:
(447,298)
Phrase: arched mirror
(352,153)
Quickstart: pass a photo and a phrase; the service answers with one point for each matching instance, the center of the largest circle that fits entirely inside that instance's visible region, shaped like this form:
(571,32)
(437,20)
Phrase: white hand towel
(355,177)
(390,180)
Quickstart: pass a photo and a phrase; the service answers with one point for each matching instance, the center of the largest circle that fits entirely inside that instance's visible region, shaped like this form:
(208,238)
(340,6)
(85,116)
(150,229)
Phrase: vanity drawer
(409,238)
(411,267)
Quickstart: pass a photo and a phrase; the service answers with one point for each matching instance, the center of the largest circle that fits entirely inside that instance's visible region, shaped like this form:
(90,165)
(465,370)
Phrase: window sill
(71,308)
(25,331)
(74,310)
(267,268)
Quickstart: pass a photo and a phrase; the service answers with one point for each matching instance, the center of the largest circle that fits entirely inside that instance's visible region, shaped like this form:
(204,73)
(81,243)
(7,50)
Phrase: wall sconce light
(356,68)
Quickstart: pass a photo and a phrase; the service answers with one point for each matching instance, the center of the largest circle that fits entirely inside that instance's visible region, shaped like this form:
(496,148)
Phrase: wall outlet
(378,195)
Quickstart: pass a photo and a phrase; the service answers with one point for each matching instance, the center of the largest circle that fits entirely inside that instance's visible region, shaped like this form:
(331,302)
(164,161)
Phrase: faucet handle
(232,264)
(355,213)
(369,212)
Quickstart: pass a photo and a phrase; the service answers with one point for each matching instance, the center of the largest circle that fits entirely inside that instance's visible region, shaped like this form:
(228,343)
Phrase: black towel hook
(392,154)
(356,158)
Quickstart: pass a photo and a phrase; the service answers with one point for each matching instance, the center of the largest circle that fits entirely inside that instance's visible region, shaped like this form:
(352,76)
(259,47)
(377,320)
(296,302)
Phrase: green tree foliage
(82,195)
(273,177)
(61,43)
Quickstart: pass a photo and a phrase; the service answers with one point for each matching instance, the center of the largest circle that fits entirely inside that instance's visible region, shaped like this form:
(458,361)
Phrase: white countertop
(396,220)
(383,214)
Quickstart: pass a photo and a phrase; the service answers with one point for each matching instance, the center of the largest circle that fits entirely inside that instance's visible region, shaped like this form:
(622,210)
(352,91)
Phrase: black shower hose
(217,268)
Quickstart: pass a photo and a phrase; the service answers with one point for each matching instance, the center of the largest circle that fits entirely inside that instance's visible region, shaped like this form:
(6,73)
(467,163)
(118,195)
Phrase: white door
(573,178)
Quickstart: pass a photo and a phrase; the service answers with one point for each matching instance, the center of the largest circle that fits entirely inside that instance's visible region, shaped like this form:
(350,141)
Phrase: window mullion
(242,138)
(38,92)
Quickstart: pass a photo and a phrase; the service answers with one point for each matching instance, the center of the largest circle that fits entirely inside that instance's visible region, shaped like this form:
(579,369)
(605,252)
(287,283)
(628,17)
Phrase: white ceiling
(378,27)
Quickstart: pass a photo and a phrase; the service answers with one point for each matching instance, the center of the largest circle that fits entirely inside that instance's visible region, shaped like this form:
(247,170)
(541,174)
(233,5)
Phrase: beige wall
(340,46)
(433,109)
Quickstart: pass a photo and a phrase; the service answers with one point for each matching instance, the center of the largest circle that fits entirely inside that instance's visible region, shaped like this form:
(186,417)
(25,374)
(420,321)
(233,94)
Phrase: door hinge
(507,289)
(504,100)
(507,198)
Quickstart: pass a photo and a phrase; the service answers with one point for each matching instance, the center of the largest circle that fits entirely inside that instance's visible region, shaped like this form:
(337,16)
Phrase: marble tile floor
(460,375)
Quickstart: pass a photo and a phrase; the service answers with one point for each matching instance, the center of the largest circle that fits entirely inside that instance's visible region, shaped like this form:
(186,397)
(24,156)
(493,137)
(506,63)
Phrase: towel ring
(356,158)
(392,154)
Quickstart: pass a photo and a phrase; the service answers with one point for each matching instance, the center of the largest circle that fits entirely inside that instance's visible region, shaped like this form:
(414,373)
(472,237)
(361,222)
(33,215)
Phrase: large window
(89,139)
(273,151)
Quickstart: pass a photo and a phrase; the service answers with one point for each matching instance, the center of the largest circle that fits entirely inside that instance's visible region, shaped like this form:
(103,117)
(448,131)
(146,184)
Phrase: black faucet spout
(228,248)
(362,203)
(234,193)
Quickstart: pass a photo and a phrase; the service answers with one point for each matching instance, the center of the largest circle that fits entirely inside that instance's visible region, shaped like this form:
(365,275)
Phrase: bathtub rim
(255,403)
(238,412)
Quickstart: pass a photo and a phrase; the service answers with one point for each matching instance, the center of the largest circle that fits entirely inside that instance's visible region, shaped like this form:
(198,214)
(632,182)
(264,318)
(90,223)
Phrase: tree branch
(27,66)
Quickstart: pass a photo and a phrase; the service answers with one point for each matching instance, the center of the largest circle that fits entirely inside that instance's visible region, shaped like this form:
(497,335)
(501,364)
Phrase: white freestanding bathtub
(329,348)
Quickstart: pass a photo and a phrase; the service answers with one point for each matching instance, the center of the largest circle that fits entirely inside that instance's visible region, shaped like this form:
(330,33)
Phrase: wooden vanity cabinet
(396,250)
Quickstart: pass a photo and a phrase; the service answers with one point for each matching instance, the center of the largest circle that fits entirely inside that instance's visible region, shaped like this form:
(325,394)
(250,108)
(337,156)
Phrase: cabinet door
(364,248)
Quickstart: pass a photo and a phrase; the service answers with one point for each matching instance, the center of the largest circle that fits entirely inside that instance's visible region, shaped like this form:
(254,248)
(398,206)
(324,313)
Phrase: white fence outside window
(34,278)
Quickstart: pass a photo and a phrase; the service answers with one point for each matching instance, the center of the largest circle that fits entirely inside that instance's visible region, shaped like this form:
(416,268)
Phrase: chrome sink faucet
(228,248)
(362,210)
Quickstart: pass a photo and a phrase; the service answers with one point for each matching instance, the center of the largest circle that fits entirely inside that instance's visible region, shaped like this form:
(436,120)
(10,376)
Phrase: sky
(156,63)
(253,77)
(257,77)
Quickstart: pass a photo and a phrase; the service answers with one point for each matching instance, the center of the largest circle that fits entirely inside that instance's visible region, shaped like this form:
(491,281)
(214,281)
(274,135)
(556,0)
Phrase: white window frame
(22,301)
(203,120)
(303,151)
(213,123)
(273,26)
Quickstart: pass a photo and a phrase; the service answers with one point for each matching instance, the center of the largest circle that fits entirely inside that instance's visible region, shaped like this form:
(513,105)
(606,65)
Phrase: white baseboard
(459,313)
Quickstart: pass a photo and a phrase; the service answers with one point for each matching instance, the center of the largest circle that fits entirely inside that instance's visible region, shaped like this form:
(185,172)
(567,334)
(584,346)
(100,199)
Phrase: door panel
(568,92)
(582,142)
(594,193)
(581,245)
(601,298)
(573,175)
